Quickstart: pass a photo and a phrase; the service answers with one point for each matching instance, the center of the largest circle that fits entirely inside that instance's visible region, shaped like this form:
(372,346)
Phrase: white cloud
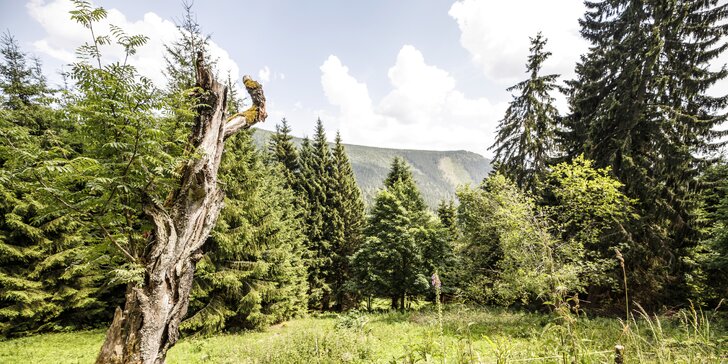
(64,35)
(343,90)
(423,110)
(496,34)
(264,74)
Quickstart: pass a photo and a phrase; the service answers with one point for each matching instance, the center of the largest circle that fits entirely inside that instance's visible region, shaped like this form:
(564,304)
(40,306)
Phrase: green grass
(470,336)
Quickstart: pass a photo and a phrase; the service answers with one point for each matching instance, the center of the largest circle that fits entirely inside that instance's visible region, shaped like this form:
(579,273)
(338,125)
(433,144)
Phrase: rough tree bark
(149,323)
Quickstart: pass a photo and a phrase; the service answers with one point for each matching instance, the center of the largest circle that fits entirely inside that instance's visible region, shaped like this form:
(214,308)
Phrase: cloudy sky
(417,74)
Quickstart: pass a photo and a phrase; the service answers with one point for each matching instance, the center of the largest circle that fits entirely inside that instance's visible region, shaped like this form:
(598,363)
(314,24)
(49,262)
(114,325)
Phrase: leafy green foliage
(47,282)
(587,208)
(640,105)
(512,256)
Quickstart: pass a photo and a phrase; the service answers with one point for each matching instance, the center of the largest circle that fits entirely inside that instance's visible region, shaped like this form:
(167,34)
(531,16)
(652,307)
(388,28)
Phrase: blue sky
(419,74)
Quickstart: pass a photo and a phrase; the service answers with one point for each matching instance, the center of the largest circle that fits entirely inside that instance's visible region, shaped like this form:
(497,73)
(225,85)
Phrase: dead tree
(148,325)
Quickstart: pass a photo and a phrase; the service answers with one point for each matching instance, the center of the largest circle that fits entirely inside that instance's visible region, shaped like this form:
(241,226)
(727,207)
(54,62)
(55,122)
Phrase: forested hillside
(437,173)
(159,212)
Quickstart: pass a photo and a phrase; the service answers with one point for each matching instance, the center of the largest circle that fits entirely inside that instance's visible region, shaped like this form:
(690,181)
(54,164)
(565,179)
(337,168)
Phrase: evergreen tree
(283,151)
(404,245)
(253,275)
(399,171)
(639,105)
(398,267)
(181,54)
(525,139)
(441,252)
(347,201)
(48,278)
(312,188)
(447,214)
(712,252)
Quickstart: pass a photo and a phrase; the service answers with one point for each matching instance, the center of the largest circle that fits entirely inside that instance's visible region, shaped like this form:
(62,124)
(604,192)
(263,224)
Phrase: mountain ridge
(437,173)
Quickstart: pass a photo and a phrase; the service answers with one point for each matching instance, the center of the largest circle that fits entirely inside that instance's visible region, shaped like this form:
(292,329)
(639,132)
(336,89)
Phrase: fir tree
(50,278)
(639,105)
(399,171)
(397,268)
(253,275)
(348,203)
(312,188)
(447,214)
(283,151)
(712,251)
(404,243)
(525,139)
(181,54)
(441,252)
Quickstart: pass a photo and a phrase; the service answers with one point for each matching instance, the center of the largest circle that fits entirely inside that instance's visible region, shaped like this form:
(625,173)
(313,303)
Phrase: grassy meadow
(469,335)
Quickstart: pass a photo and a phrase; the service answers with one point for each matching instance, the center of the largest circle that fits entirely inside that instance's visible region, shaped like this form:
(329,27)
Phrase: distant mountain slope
(437,173)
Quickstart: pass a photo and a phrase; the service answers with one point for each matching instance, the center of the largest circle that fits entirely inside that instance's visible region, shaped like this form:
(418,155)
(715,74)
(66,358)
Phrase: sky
(414,74)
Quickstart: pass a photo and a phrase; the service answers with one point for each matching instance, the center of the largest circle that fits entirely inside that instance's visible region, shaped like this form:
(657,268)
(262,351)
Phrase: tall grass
(469,335)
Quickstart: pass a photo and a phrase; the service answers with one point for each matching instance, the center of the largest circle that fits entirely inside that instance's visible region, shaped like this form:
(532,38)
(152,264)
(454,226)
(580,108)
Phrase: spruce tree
(639,105)
(526,134)
(181,54)
(397,268)
(348,203)
(712,251)
(312,188)
(283,151)
(399,171)
(253,275)
(404,244)
(447,214)
(50,277)
(441,252)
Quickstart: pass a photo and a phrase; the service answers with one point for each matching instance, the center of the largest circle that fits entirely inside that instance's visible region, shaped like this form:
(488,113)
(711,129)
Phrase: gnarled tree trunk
(149,323)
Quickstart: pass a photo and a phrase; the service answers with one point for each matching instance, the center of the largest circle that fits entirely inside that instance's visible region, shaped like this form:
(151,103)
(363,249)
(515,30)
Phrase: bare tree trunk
(149,324)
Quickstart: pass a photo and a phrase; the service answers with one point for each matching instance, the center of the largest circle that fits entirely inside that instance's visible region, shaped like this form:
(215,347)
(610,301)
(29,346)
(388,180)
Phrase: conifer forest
(150,223)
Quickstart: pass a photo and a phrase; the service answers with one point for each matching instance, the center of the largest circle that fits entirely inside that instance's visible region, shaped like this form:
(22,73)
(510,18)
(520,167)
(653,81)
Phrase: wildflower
(436,281)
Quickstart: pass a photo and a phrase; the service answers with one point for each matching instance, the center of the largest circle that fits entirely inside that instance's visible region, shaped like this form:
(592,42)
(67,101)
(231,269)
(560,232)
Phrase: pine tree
(253,275)
(348,203)
(639,105)
(525,139)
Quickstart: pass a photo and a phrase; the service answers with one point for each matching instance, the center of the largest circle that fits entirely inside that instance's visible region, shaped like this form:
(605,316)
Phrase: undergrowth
(468,335)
